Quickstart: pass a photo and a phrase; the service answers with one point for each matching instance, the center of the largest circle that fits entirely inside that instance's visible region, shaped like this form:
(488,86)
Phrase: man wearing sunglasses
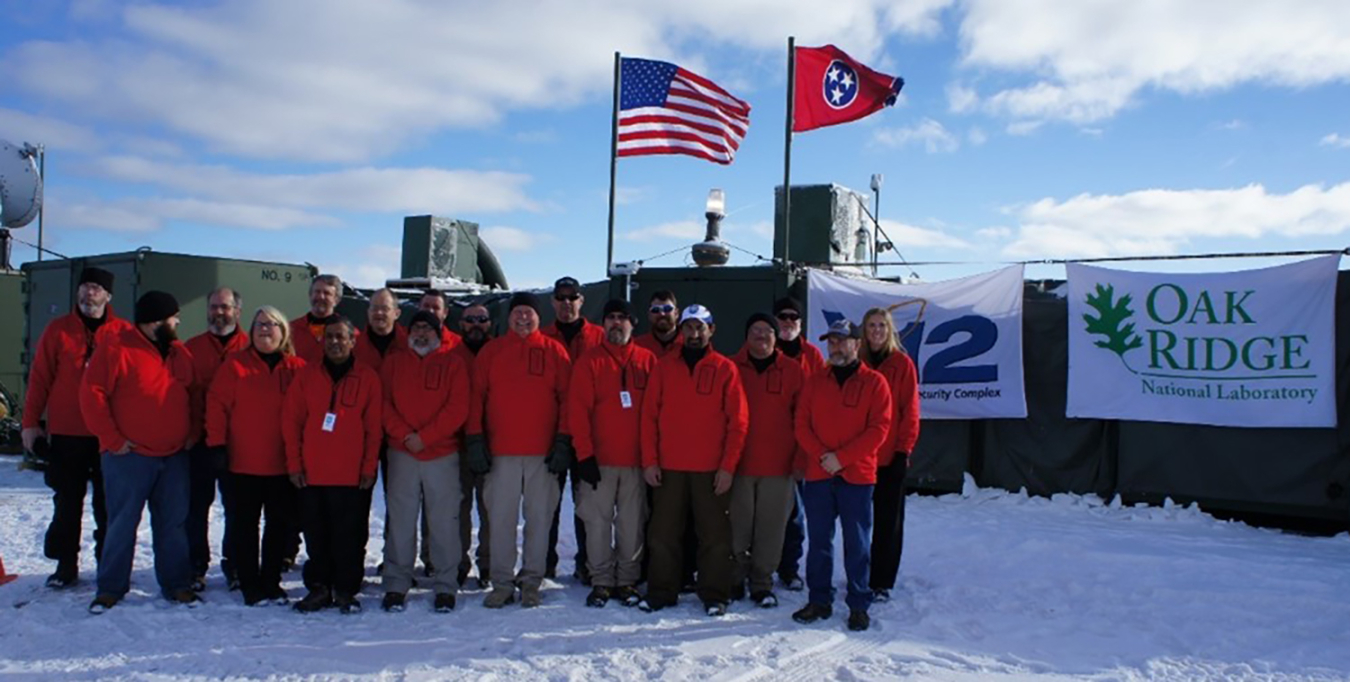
(475,327)
(577,335)
(662,313)
(788,312)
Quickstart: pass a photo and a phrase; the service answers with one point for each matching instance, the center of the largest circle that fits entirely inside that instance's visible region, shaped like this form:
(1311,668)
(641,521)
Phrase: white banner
(964,335)
(1254,348)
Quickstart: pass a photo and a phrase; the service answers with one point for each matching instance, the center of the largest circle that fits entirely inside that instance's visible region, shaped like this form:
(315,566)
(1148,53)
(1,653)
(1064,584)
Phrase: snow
(995,586)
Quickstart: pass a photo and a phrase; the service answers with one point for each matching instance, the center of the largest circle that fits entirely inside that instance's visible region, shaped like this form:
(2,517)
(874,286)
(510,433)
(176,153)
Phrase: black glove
(562,456)
(588,470)
(476,452)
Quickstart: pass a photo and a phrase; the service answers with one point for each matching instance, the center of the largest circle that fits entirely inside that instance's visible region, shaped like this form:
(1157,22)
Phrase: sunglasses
(789,317)
(566,297)
(662,309)
(476,319)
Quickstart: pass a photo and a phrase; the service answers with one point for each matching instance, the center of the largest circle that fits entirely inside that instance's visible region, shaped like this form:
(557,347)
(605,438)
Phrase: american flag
(664,109)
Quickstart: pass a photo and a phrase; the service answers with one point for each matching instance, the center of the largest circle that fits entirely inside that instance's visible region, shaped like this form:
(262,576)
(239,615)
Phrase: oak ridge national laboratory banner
(1254,348)
(966,344)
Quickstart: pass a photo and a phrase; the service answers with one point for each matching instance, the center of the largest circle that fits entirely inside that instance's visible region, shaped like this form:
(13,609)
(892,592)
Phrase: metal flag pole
(787,147)
(42,178)
(613,165)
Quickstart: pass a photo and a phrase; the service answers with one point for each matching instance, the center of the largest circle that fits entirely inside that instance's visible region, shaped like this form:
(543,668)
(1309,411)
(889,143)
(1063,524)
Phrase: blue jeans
(851,504)
(793,538)
(129,482)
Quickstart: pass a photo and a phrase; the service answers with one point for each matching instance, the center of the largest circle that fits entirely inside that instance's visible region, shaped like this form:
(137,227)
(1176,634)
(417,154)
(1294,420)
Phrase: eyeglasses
(267,324)
(566,297)
(662,309)
(476,319)
(789,316)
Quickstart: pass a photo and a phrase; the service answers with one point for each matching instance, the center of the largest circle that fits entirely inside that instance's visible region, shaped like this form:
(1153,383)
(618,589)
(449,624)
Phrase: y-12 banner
(964,335)
(1254,348)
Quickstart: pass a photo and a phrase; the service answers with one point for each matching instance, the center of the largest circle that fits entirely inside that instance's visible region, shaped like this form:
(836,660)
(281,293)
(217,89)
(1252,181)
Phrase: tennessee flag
(833,88)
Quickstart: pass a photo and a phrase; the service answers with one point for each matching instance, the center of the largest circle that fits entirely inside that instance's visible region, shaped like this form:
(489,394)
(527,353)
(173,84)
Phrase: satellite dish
(20,185)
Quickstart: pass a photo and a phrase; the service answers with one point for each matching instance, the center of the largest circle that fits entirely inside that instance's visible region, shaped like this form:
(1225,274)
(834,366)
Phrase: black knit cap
(787,303)
(761,317)
(154,306)
(97,276)
(427,317)
(618,305)
(523,298)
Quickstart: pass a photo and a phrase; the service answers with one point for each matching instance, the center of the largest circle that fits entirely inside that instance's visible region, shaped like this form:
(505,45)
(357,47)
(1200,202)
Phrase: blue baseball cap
(843,328)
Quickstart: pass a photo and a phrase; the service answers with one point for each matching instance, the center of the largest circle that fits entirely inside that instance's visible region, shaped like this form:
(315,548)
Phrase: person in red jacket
(134,397)
(243,422)
(332,427)
(475,327)
(663,314)
(578,335)
(426,402)
(433,301)
(604,400)
(694,422)
(325,291)
(382,335)
(882,352)
(517,435)
(208,467)
(762,495)
(790,313)
(842,419)
(63,351)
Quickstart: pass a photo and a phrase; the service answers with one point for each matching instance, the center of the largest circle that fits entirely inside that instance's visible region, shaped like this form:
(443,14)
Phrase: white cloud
(994,233)
(961,99)
(1093,58)
(1160,222)
(688,230)
(503,238)
(977,136)
(934,137)
(348,80)
(911,236)
(1020,128)
(19,127)
(1335,140)
(379,263)
(145,215)
(1234,124)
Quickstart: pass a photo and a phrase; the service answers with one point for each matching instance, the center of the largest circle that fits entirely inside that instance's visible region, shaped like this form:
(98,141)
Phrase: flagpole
(613,166)
(787,147)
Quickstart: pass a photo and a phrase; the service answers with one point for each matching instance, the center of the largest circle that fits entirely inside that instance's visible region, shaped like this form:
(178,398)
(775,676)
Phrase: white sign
(1254,348)
(964,335)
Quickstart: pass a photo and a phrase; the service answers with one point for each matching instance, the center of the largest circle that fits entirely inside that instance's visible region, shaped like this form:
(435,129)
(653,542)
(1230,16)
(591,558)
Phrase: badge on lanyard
(329,421)
(626,399)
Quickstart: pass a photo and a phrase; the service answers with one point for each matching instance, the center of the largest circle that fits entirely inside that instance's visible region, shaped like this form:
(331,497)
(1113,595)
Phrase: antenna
(20,192)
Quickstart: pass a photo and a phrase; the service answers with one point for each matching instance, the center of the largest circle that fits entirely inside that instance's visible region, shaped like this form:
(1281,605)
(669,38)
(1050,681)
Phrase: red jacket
(601,426)
(428,396)
(352,449)
(58,365)
(694,420)
(590,336)
(771,395)
(811,359)
(851,421)
(308,339)
(132,393)
(243,411)
(370,356)
(520,394)
(903,380)
(649,342)
(207,355)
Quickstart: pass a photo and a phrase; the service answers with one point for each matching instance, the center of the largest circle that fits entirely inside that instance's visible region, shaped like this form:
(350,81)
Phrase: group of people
(689,469)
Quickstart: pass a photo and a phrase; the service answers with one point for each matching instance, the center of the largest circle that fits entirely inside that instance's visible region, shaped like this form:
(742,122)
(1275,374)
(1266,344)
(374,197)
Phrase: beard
(222,325)
(617,337)
(164,338)
(475,334)
(838,359)
(92,311)
(424,349)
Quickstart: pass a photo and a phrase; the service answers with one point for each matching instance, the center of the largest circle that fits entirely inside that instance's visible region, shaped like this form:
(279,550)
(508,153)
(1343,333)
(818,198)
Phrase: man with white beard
(426,402)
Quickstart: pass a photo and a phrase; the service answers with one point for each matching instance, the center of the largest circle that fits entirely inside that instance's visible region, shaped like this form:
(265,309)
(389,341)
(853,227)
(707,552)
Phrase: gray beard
(423,351)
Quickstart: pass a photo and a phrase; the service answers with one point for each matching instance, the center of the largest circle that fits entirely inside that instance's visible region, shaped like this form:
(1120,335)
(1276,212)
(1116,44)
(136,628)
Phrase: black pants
(336,522)
(680,493)
(888,524)
(73,467)
(578,528)
(252,497)
(207,469)
(471,493)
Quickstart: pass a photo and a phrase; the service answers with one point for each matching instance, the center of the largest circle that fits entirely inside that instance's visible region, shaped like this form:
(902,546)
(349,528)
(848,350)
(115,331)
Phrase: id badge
(626,399)
(329,421)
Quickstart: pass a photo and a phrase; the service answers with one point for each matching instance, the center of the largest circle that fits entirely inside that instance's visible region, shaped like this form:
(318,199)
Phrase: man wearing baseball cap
(517,435)
(694,422)
(791,341)
(134,397)
(843,417)
(73,466)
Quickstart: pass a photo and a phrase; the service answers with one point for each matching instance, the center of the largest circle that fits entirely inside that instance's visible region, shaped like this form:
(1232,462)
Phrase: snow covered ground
(995,586)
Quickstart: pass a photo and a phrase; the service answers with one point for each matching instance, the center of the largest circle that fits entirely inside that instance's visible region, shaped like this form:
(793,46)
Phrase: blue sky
(1028,129)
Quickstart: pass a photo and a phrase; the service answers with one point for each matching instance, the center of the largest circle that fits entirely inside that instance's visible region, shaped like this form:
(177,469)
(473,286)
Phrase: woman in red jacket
(882,352)
(243,416)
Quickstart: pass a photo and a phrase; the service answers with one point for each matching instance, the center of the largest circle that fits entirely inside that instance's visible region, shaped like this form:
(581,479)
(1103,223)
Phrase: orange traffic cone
(5,577)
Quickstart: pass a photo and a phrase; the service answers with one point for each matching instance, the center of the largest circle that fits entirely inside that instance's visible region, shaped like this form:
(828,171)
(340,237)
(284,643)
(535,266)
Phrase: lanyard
(623,368)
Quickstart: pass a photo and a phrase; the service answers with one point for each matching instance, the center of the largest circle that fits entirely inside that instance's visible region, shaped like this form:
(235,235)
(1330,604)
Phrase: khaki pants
(615,514)
(514,479)
(760,507)
(680,493)
(414,486)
